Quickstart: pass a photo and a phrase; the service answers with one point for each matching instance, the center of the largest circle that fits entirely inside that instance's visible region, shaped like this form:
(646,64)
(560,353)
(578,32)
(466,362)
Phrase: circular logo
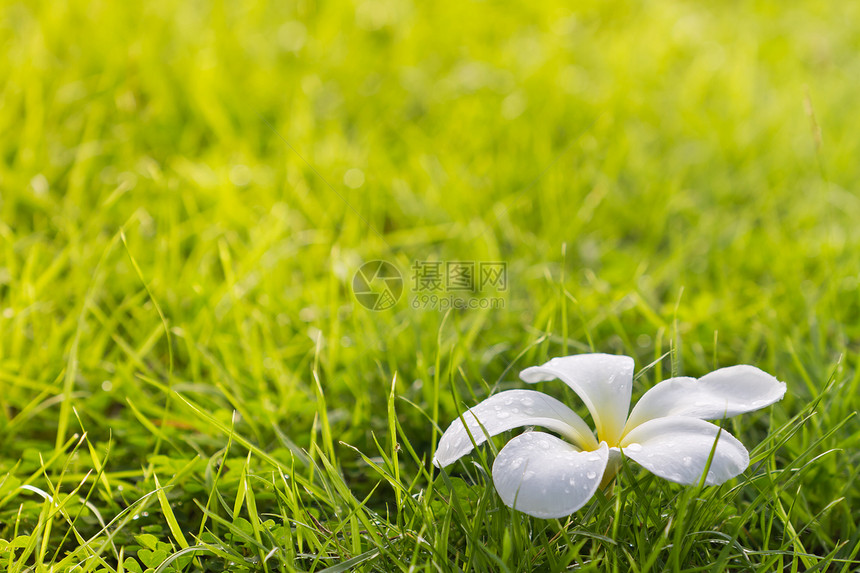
(377,285)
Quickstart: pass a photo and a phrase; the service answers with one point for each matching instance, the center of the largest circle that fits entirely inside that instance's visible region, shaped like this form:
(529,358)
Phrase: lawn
(191,378)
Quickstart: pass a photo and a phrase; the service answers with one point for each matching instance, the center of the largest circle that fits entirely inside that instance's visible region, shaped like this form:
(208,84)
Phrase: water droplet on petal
(509,401)
(528,401)
(515,410)
(687,460)
(591,475)
(572,481)
(517,463)
(634,447)
(503,415)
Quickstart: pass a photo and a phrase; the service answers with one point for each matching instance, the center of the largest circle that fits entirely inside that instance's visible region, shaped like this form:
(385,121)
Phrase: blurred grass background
(655,176)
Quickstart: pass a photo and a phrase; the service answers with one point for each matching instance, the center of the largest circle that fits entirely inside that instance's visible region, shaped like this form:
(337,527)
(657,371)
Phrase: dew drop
(503,415)
(591,475)
(635,447)
(509,401)
(687,460)
(517,463)
(528,401)
(572,481)
(515,410)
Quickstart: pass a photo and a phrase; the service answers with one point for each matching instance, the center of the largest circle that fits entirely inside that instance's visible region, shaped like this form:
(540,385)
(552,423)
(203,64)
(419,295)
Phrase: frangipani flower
(666,432)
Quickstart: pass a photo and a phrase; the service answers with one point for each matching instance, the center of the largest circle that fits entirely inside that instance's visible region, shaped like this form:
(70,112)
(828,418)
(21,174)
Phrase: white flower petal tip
(505,411)
(722,393)
(543,476)
(756,387)
(603,381)
(677,449)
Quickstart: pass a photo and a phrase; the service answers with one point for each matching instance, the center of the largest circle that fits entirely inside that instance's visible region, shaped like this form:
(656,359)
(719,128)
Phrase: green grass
(187,382)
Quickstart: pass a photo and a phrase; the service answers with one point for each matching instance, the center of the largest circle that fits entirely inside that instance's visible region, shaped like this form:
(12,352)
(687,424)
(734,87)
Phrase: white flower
(544,476)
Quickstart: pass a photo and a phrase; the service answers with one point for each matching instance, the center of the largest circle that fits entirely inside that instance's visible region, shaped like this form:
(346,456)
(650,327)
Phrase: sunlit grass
(187,382)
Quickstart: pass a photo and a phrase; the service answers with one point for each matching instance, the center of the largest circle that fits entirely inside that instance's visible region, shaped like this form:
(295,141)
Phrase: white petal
(677,449)
(722,393)
(603,381)
(546,477)
(506,411)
